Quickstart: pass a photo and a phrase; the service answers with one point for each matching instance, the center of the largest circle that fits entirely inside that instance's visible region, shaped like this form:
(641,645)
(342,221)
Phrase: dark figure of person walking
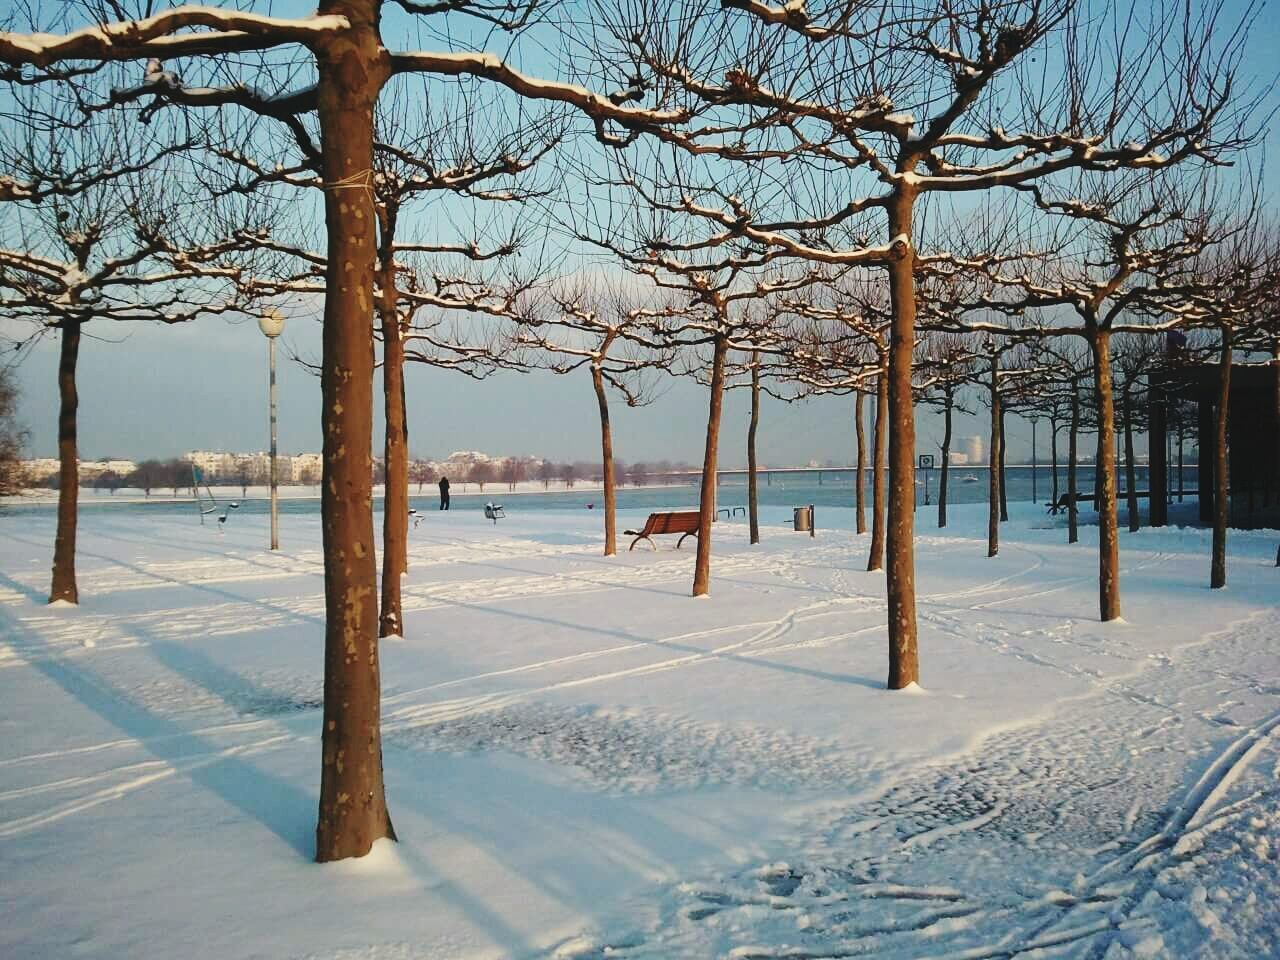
(444,493)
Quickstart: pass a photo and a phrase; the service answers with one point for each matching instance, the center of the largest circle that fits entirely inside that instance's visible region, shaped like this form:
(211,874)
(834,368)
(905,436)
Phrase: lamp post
(271,323)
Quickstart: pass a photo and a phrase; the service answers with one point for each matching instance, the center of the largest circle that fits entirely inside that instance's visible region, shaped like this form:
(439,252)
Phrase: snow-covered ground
(584,762)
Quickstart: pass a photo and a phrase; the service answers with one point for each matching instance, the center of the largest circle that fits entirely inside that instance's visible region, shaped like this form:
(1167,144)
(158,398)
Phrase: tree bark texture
(1221,500)
(395,501)
(996,458)
(1130,470)
(880,443)
(859,491)
(948,403)
(352,810)
(753,505)
(1004,487)
(606,454)
(900,573)
(707,499)
(1108,519)
(1073,456)
(64,543)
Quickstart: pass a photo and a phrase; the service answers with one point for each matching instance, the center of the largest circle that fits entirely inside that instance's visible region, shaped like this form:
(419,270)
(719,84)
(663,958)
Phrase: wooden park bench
(685,522)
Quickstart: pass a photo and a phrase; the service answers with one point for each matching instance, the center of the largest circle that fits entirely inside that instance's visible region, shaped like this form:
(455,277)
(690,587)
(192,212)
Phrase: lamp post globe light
(271,323)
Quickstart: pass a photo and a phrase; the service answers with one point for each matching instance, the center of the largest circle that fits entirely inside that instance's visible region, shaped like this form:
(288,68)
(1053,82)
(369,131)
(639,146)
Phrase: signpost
(926,464)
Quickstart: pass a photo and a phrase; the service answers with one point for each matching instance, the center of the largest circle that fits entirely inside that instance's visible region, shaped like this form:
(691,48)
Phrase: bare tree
(343,44)
(482,472)
(600,327)
(114,249)
(950,361)
(903,102)
(1120,256)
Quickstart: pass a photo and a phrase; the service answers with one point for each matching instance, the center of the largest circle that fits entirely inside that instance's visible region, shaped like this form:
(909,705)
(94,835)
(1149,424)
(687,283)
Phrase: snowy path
(583,762)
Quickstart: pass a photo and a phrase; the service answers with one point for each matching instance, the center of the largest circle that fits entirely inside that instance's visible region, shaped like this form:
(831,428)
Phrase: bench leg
(637,540)
(681,540)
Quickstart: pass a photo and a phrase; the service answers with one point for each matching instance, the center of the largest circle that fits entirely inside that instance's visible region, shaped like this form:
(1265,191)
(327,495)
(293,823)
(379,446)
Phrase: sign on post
(926,464)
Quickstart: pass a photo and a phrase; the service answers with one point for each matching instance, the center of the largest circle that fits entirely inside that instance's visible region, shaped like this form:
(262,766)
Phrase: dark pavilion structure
(1253,439)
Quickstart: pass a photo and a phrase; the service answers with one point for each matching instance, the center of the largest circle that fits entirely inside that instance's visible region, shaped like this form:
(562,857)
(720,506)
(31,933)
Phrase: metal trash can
(802,518)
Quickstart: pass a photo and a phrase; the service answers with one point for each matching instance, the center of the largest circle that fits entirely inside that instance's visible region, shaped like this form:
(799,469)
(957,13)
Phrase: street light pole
(271,323)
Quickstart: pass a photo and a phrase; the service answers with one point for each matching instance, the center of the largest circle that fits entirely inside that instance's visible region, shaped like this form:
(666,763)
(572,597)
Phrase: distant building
(303,467)
(958,459)
(96,468)
(41,469)
(212,464)
(974,449)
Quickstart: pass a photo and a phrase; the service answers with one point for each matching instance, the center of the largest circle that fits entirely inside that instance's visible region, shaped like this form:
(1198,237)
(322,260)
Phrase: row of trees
(790,199)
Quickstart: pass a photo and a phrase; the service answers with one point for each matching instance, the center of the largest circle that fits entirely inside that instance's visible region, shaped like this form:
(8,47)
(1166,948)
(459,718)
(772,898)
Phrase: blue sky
(151,391)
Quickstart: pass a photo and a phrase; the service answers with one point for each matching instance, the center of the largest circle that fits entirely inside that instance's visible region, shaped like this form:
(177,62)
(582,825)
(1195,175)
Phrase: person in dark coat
(444,493)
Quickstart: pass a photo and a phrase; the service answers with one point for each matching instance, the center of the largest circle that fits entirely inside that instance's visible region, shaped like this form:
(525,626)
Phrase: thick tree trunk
(352,810)
(996,458)
(1108,520)
(1130,470)
(946,457)
(1004,487)
(859,492)
(707,498)
(1073,456)
(64,543)
(606,454)
(900,573)
(753,505)
(880,441)
(1221,500)
(395,501)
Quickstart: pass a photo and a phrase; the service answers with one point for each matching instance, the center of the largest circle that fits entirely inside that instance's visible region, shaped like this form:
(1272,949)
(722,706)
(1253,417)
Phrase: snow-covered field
(584,762)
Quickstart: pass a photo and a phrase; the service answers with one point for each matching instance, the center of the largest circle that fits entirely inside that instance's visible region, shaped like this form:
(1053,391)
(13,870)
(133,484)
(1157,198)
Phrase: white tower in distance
(974,449)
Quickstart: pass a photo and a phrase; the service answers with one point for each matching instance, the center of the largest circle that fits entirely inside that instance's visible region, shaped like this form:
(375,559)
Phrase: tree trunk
(1221,500)
(1073,448)
(753,506)
(352,810)
(1108,521)
(707,498)
(1004,487)
(1053,455)
(900,578)
(606,453)
(64,543)
(859,492)
(395,500)
(946,457)
(880,440)
(1130,471)
(996,458)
